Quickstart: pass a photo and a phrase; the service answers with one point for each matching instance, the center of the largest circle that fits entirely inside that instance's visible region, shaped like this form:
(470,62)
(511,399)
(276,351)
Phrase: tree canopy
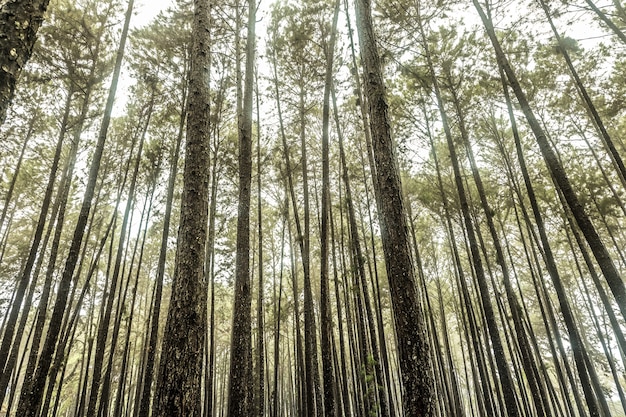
(314,207)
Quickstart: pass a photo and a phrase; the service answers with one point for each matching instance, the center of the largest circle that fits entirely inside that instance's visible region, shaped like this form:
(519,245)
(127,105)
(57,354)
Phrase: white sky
(146,10)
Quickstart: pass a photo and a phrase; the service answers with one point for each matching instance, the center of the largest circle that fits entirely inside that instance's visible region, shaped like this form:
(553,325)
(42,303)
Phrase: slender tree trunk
(313,396)
(211,275)
(591,108)
(241,383)
(179,385)
(42,308)
(156,308)
(103,329)
(16,172)
(616,30)
(260,365)
(530,191)
(123,370)
(482,385)
(326,322)
(528,363)
(408,317)
(343,367)
(278,311)
(26,272)
(296,216)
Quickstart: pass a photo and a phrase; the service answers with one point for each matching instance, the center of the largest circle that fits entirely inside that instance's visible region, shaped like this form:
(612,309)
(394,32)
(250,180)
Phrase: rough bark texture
(408,318)
(241,381)
(179,383)
(19,22)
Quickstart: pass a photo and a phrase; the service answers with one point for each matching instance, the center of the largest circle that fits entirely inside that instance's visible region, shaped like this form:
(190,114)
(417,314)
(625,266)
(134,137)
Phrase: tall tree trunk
(209,403)
(103,327)
(408,317)
(16,172)
(296,216)
(26,271)
(123,370)
(313,395)
(277,314)
(179,384)
(260,363)
(520,333)
(326,322)
(591,108)
(58,211)
(377,385)
(481,379)
(616,30)
(241,382)
(545,310)
(104,324)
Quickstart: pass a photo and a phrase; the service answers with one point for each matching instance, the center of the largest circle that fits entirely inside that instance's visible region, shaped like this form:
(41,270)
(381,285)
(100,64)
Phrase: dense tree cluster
(315,207)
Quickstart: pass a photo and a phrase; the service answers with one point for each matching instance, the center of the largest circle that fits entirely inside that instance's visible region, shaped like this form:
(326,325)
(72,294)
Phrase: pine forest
(324,208)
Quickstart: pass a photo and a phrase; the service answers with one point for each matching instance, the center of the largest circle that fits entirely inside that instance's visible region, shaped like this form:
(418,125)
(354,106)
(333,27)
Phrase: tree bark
(408,316)
(179,384)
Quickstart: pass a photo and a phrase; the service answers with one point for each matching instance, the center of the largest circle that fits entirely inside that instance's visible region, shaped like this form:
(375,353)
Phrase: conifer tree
(178,389)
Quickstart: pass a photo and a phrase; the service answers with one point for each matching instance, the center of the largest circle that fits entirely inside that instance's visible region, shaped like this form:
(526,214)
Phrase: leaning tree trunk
(408,317)
(9,193)
(98,382)
(19,22)
(616,159)
(32,395)
(560,177)
(616,30)
(156,307)
(24,279)
(179,384)
(515,309)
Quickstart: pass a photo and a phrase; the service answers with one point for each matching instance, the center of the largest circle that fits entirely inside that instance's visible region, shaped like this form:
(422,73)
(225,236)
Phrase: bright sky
(146,10)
